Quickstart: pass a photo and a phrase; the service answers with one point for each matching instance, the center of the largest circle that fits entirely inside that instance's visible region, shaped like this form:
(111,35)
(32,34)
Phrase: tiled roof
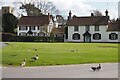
(113,26)
(58,30)
(91,20)
(34,20)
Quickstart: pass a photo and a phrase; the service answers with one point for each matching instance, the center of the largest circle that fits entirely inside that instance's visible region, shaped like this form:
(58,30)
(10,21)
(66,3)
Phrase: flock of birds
(36,57)
(23,63)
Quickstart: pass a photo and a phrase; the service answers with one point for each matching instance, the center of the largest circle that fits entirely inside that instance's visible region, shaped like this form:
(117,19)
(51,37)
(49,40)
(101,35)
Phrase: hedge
(8,37)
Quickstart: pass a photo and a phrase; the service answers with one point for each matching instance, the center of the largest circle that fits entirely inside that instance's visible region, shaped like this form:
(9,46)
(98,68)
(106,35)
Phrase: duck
(99,67)
(23,63)
(96,68)
(35,57)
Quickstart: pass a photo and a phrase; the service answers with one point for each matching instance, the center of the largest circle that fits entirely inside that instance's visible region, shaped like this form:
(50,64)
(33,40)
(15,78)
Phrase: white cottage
(90,29)
(35,25)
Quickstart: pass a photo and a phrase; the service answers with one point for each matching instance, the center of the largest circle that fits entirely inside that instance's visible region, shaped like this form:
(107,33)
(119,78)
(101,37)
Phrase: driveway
(109,70)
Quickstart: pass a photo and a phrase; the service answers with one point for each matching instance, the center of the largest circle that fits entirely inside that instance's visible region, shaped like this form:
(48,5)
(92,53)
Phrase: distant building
(35,25)
(7,9)
(58,30)
(91,29)
(61,22)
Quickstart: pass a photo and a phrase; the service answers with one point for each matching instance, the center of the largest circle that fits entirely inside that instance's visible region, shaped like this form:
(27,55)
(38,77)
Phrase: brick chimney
(49,16)
(70,15)
(106,12)
(92,14)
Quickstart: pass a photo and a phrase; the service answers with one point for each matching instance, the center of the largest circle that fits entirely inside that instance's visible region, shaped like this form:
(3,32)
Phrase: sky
(78,7)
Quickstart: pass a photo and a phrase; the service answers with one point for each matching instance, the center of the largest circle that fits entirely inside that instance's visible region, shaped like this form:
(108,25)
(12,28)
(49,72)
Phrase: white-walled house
(35,25)
(113,31)
(91,29)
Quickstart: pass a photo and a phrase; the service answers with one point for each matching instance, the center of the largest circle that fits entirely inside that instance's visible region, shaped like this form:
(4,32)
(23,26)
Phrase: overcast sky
(79,7)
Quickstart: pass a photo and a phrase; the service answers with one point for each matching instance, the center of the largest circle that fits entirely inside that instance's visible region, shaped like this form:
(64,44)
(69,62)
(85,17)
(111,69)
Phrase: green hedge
(8,37)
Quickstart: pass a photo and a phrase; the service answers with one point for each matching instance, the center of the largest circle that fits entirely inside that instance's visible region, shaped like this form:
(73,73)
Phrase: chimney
(92,14)
(49,16)
(69,17)
(106,12)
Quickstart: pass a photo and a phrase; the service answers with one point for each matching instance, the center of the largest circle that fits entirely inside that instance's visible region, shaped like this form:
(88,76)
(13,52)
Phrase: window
(19,34)
(76,28)
(96,36)
(19,27)
(23,33)
(35,34)
(76,36)
(38,28)
(87,28)
(22,28)
(26,27)
(34,28)
(113,36)
(29,27)
(96,28)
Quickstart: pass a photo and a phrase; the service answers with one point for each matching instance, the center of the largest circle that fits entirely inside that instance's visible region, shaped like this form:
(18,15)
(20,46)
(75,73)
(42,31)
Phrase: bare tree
(97,13)
(36,8)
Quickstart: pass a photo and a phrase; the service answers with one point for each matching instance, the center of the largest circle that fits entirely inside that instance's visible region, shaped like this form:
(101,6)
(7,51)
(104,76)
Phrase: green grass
(59,53)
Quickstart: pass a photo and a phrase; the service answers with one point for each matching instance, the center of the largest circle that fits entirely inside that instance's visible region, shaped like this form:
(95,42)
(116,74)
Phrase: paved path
(109,70)
(2,44)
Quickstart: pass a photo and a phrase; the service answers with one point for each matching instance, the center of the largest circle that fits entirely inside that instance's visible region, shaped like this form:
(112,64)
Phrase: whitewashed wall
(49,28)
(102,31)
(25,31)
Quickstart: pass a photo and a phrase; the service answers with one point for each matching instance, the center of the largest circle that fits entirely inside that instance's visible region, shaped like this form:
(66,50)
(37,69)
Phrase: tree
(34,8)
(9,22)
(97,13)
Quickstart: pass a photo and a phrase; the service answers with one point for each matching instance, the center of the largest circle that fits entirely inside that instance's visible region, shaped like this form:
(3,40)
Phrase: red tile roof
(58,30)
(114,26)
(34,20)
(91,20)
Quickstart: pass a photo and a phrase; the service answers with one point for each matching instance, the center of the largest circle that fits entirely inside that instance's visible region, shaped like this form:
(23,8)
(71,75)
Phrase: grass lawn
(59,53)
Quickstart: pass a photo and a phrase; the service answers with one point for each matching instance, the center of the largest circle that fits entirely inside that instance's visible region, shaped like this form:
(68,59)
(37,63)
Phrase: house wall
(50,26)
(25,31)
(102,31)
(36,31)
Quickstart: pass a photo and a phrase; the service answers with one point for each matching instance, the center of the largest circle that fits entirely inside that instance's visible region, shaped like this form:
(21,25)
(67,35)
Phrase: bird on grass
(34,49)
(35,57)
(96,68)
(23,63)
(74,51)
(10,64)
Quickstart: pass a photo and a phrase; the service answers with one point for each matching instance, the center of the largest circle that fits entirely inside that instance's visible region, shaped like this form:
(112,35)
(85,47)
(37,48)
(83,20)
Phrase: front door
(87,38)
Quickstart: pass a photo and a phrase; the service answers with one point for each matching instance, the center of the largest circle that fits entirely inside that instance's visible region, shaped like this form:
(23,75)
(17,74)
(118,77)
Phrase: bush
(8,37)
